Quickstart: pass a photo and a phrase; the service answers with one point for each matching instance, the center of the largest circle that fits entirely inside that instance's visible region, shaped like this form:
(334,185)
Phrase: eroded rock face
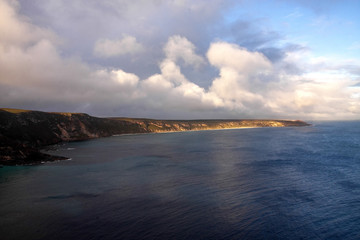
(23,133)
(151,125)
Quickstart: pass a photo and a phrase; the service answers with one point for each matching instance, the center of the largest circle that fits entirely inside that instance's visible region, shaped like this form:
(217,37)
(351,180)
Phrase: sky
(182,59)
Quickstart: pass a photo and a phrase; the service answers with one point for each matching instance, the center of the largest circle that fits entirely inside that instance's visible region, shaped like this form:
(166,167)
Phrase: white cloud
(111,48)
(171,87)
(179,47)
(125,78)
(16,30)
(226,55)
(250,84)
(240,71)
(37,75)
(34,74)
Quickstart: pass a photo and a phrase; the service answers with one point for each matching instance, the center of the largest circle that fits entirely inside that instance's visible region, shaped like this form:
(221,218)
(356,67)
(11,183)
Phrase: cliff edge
(24,132)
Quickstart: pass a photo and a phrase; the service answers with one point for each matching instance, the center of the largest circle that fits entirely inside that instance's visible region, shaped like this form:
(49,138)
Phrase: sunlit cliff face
(118,73)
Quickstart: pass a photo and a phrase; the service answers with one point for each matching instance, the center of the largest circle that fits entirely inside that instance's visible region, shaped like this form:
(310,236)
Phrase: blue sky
(182,58)
(329,28)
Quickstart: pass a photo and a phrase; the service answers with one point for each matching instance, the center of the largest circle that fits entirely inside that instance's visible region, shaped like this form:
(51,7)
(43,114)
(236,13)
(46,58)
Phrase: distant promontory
(23,133)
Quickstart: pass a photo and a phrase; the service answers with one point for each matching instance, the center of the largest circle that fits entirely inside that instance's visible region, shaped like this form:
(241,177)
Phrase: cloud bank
(37,74)
(112,48)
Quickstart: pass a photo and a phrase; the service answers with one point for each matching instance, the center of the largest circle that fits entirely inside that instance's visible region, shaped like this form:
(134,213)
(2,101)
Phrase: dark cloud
(81,23)
(293,47)
(251,37)
(352,69)
(273,54)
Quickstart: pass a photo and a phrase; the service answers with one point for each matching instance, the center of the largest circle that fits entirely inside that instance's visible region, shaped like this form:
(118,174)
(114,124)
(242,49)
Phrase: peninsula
(23,132)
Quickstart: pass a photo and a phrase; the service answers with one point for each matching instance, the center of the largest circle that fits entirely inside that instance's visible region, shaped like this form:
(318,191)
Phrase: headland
(24,132)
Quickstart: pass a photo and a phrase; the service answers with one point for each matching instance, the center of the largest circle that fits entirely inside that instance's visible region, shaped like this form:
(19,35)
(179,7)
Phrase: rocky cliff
(23,132)
(152,125)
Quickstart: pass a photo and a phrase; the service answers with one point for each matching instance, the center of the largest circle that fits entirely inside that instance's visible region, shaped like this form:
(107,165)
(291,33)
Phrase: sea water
(261,183)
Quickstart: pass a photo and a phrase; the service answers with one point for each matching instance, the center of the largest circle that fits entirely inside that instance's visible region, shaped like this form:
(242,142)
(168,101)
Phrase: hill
(23,132)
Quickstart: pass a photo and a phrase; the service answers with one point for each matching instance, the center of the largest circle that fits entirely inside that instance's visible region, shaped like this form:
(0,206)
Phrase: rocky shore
(23,133)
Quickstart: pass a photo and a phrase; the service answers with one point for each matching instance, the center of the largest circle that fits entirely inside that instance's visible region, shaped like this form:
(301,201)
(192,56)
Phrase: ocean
(260,183)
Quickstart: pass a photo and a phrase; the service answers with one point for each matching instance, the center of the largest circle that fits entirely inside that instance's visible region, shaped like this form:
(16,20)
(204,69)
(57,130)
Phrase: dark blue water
(268,183)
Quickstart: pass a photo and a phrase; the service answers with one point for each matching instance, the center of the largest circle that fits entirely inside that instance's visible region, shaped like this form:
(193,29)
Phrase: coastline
(24,133)
(197,130)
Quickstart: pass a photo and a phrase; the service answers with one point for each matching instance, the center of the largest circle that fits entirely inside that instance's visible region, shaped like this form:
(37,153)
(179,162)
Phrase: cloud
(250,84)
(294,14)
(240,71)
(18,31)
(179,47)
(225,55)
(82,23)
(35,75)
(244,82)
(171,89)
(249,33)
(112,48)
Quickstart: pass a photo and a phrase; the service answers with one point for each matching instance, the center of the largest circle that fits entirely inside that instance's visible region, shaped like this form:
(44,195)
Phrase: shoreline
(24,133)
(197,130)
(134,134)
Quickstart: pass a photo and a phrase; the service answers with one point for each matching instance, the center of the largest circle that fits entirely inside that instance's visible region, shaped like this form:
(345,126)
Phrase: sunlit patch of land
(68,114)
(14,110)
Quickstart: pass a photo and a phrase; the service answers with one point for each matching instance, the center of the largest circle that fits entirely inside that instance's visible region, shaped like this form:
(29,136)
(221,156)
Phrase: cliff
(152,125)
(24,132)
